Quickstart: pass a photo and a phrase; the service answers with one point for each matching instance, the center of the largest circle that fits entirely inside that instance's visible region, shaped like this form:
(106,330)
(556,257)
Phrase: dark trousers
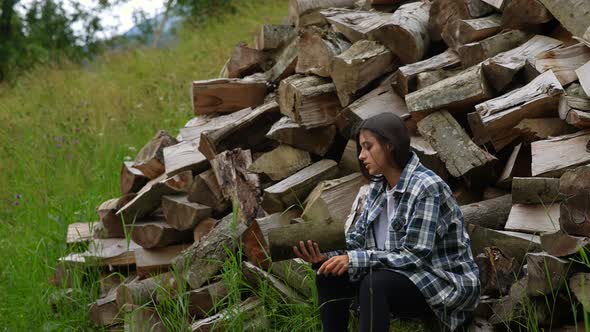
(380,293)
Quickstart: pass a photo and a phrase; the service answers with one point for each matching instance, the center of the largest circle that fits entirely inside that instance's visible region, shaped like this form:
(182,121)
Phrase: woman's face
(373,155)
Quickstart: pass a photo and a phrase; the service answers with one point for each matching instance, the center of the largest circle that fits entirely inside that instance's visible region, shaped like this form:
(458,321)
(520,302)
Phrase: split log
(583,74)
(223,95)
(307,12)
(156,260)
(428,78)
(531,190)
(497,270)
(382,99)
(193,129)
(203,228)
(355,68)
(543,128)
(461,156)
(295,273)
(427,155)
(491,213)
(444,12)
(579,283)
(273,36)
(501,69)
(157,234)
(276,220)
(330,201)
(494,120)
(205,190)
(204,300)
(144,319)
(461,32)
(255,275)
(295,188)
(183,215)
(473,53)
(150,196)
(574,15)
(132,179)
(574,107)
(406,32)
(247,132)
(237,184)
(468,87)
(105,252)
(517,165)
(552,157)
(349,163)
(79,232)
(405,77)
(202,260)
(328,235)
(285,62)
(561,244)
(249,311)
(317,49)
(185,156)
(533,218)
(497,4)
(311,101)
(253,246)
(512,244)
(104,311)
(574,215)
(150,159)
(563,62)
(355,24)
(524,14)
(281,162)
(245,61)
(315,140)
(546,273)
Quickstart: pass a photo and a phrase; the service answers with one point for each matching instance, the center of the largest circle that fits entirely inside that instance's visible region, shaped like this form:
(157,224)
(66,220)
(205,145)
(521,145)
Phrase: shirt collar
(404,179)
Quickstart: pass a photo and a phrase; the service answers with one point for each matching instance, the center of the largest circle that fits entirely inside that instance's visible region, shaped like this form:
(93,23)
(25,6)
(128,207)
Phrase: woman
(408,252)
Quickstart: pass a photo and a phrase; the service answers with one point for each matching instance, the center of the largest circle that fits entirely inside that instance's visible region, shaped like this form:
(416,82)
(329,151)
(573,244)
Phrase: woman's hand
(335,266)
(311,253)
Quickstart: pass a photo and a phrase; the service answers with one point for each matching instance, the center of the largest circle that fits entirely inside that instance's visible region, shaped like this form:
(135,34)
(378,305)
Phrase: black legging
(380,293)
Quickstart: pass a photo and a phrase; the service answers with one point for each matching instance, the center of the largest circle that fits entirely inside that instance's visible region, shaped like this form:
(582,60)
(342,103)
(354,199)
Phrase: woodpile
(494,93)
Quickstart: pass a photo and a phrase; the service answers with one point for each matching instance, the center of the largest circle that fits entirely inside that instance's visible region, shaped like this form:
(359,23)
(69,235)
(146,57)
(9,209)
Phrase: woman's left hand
(335,266)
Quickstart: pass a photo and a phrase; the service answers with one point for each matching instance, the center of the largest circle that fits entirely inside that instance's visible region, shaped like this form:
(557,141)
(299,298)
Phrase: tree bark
(355,24)
(405,77)
(461,32)
(473,53)
(524,14)
(497,270)
(204,300)
(254,275)
(281,162)
(546,273)
(531,190)
(491,213)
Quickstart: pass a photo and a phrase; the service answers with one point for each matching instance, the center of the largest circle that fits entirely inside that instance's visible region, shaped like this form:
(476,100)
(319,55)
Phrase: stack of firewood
(494,93)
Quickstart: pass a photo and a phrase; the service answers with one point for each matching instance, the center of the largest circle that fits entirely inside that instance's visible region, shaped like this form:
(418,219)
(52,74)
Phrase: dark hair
(389,129)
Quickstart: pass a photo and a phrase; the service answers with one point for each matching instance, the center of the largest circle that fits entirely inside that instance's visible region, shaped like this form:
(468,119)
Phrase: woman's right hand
(310,253)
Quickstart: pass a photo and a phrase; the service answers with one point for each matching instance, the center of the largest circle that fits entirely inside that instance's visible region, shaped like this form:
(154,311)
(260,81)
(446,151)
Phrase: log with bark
(561,244)
(150,159)
(285,62)
(428,78)
(317,49)
(497,270)
(254,275)
(274,36)
(104,311)
(574,15)
(461,32)
(529,190)
(512,244)
(295,273)
(350,163)
(182,214)
(552,157)
(157,234)
(250,311)
(461,156)
(427,155)
(205,190)
(546,273)
(315,140)
(574,215)
(444,12)
(203,301)
(254,246)
(132,179)
(143,318)
(574,107)
(156,260)
(563,62)
(533,218)
(295,188)
(405,77)
(281,162)
(245,61)
(226,95)
(491,213)
(354,24)
(473,53)
(523,14)
(307,12)
(203,228)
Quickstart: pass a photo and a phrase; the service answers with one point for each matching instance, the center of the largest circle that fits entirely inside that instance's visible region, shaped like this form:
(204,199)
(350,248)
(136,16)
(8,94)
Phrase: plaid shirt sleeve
(417,243)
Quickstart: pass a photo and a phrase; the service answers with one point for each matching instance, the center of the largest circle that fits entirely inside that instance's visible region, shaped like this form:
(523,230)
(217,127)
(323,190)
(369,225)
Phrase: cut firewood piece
(245,61)
(355,25)
(250,311)
(561,244)
(193,129)
(156,260)
(524,14)
(105,252)
(563,62)
(574,107)
(182,214)
(202,260)
(461,32)
(295,188)
(497,270)
(382,99)
(79,232)
(317,49)
(307,12)
(203,228)
(330,201)
(511,307)
(142,318)
(444,12)
(156,234)
(328,235)
(237,184)
(574,213)
(254,275)
(552,157)
(517,165)
(428,78)
(311,101)
(575,181)
(150,159)
(473,53)
(529,190)
(497,4)
(281,162)
(273,36)
(405,33)
(253,246)
(315,140)
(501,69)
(150,196)
(184,156)
(533,218)
(204,300)
(295,273)
(512,244)
(579,284)
(350,163)
(546,273)
(405,77)
(461,156)
(428,156)
(494,120)
(458,93)
(132,179)
(355,68)
(276,220)
(543,128)
(205,190)
(285,62)
(574,15)
(226,95)
(248,131)
(491,213)
(583,74)
(105,312)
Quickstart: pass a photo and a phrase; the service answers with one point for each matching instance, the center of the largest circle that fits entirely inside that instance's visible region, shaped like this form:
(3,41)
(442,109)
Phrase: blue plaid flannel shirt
(427,242)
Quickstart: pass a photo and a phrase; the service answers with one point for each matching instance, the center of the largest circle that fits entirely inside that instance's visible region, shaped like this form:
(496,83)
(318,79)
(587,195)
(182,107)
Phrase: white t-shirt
(381,225)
